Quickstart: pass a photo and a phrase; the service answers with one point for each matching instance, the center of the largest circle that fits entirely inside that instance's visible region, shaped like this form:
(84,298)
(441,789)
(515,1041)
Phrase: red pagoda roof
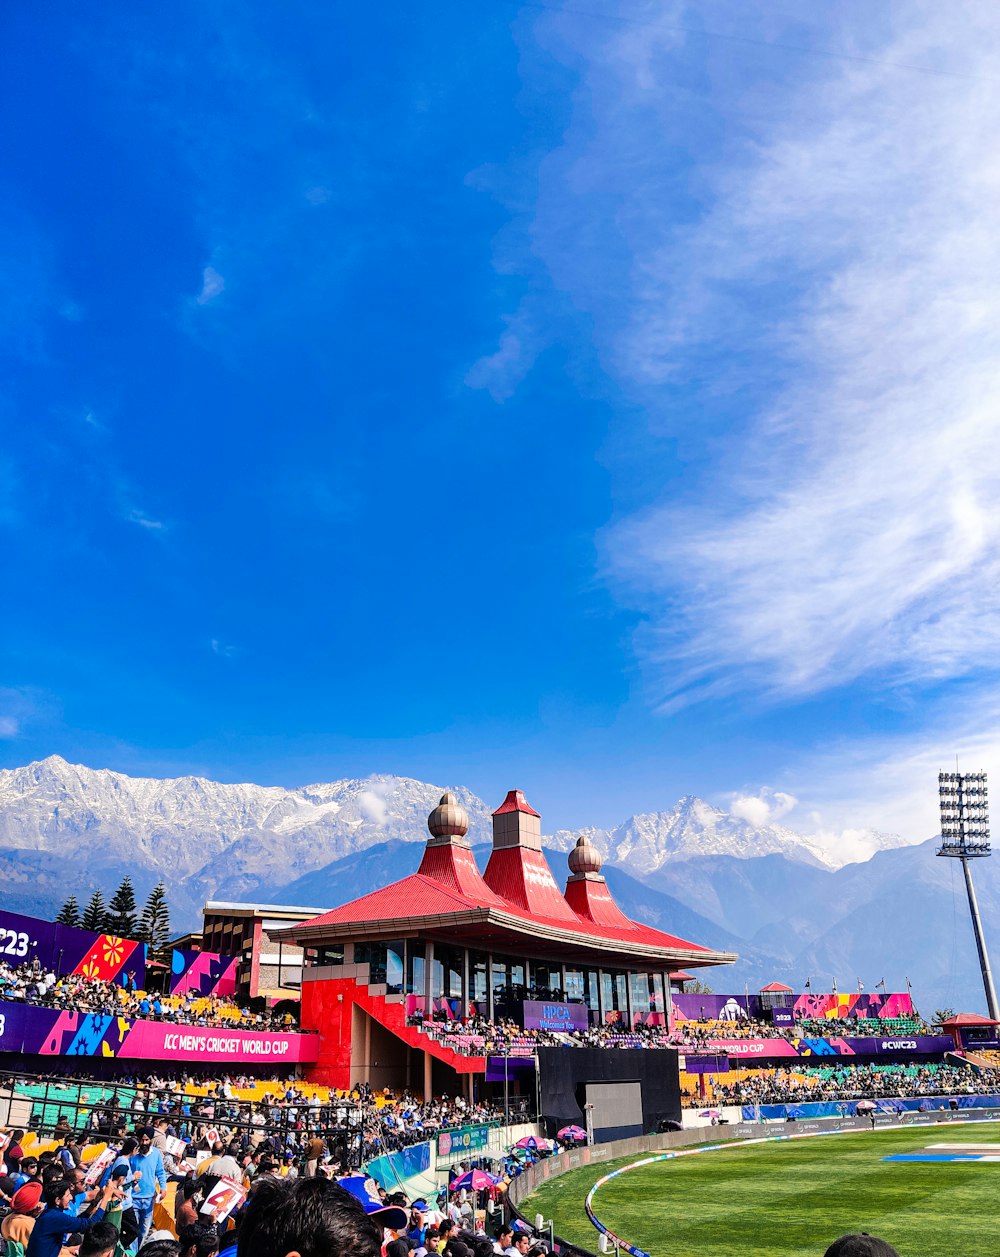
(419,901)
(970,1019)
(517,897)
(454,866)
(775,988)
(516,802)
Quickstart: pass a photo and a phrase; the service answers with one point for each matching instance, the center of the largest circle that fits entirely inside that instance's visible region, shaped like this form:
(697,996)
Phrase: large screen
(617,1107)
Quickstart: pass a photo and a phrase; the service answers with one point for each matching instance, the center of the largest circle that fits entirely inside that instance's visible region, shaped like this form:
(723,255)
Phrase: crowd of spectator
(33,984)
(802,1083)
(477,1036)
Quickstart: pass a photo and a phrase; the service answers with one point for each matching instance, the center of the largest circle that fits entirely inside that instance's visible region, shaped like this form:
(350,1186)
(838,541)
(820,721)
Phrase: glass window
(621,992)
(414,967)
(546,981)
(477,979)
(639,983)
(575,987)
(658,1005)
(372,955)
(592,990)
(395,967)
(437,976)
(332,954)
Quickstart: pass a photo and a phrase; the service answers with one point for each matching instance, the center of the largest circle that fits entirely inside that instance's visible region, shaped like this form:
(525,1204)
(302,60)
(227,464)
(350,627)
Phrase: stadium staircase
(390,1011)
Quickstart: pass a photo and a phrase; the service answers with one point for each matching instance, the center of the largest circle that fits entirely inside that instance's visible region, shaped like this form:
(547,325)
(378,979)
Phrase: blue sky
(597,398)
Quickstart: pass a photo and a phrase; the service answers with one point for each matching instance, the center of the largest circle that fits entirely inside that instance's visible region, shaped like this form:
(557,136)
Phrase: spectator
(100,1241)
(25,1208)
(863,1245)
(55,1221)
(152,1183)
(311,1217)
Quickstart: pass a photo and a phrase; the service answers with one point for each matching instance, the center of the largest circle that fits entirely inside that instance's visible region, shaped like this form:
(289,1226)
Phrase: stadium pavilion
(452,943)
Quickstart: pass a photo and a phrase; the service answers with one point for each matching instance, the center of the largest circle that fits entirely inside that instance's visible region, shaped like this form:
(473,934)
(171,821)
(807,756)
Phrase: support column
(368,1049)
(630,1013)
(489,984)
(466,993)
(601,1010)
(984,958)
(428,1076)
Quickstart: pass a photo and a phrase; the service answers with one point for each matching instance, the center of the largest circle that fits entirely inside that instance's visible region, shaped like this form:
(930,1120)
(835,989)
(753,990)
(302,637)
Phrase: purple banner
(34,1031)
(833,1045)
(540,1015)
(706,1064)
(500,1068)
(782,1017)
(66,950)
(834,1007)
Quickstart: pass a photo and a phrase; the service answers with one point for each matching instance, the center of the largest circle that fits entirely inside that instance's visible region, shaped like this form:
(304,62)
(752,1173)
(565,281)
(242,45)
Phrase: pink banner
(161,1041)
(752,1047)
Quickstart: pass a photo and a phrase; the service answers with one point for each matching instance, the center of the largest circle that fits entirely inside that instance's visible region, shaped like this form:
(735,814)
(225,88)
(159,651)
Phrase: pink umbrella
(572,1132)
(473,1181)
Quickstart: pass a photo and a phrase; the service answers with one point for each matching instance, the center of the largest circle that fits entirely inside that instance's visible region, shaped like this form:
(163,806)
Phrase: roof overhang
(485,922)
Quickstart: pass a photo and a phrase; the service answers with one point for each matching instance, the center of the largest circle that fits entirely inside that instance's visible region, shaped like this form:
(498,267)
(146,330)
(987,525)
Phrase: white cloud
(211,286)
(502,371)
(222,648)
(830,292)
(136,516)
(766,807)
(373,807)
(9,727)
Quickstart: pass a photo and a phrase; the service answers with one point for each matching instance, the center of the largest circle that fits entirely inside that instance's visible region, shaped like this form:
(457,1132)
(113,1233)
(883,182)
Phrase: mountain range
(788,905)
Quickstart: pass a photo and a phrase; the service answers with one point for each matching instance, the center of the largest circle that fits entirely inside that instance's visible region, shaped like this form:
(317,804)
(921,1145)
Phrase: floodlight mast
(965,835)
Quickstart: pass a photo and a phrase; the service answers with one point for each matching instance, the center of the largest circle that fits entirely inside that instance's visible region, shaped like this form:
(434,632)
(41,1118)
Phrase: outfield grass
(792,1198)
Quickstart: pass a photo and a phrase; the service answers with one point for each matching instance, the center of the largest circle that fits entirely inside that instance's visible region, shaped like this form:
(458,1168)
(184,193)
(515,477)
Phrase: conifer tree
(95,913)
(154,927)
(69,913)
(122,915)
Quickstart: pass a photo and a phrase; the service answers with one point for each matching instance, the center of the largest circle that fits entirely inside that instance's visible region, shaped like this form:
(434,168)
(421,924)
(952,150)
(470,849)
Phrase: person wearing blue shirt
(148,1161)
(56,1222)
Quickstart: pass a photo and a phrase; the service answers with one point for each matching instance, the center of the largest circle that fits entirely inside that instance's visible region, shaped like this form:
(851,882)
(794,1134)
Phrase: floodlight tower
(965,836)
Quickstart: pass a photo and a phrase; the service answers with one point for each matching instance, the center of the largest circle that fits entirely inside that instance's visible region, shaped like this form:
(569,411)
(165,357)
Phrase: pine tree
(69,913)
(154,927)
(95,913)
(122,914)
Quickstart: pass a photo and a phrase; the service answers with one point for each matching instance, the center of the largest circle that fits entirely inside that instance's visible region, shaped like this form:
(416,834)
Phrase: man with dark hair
(308,1217)
(100,1241)
(56,1222)
(161,1248)
(863,1245)
(198,1240)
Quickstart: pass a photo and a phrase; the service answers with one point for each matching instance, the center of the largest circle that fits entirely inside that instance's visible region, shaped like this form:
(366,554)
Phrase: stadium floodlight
(965,835)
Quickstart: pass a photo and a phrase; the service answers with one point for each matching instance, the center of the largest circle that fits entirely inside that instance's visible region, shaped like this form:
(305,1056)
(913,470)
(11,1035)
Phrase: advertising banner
(540,1015)
(705,1064)
(67,950)
(897,1108)
(36,1031)
(688,1006)
(161,1041)
(834,1045)
(782,1017)
(202,972)
(465,1139)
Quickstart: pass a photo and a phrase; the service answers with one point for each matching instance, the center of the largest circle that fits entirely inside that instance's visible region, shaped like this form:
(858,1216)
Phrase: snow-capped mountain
(691,829)
(202,834)
(212,839)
